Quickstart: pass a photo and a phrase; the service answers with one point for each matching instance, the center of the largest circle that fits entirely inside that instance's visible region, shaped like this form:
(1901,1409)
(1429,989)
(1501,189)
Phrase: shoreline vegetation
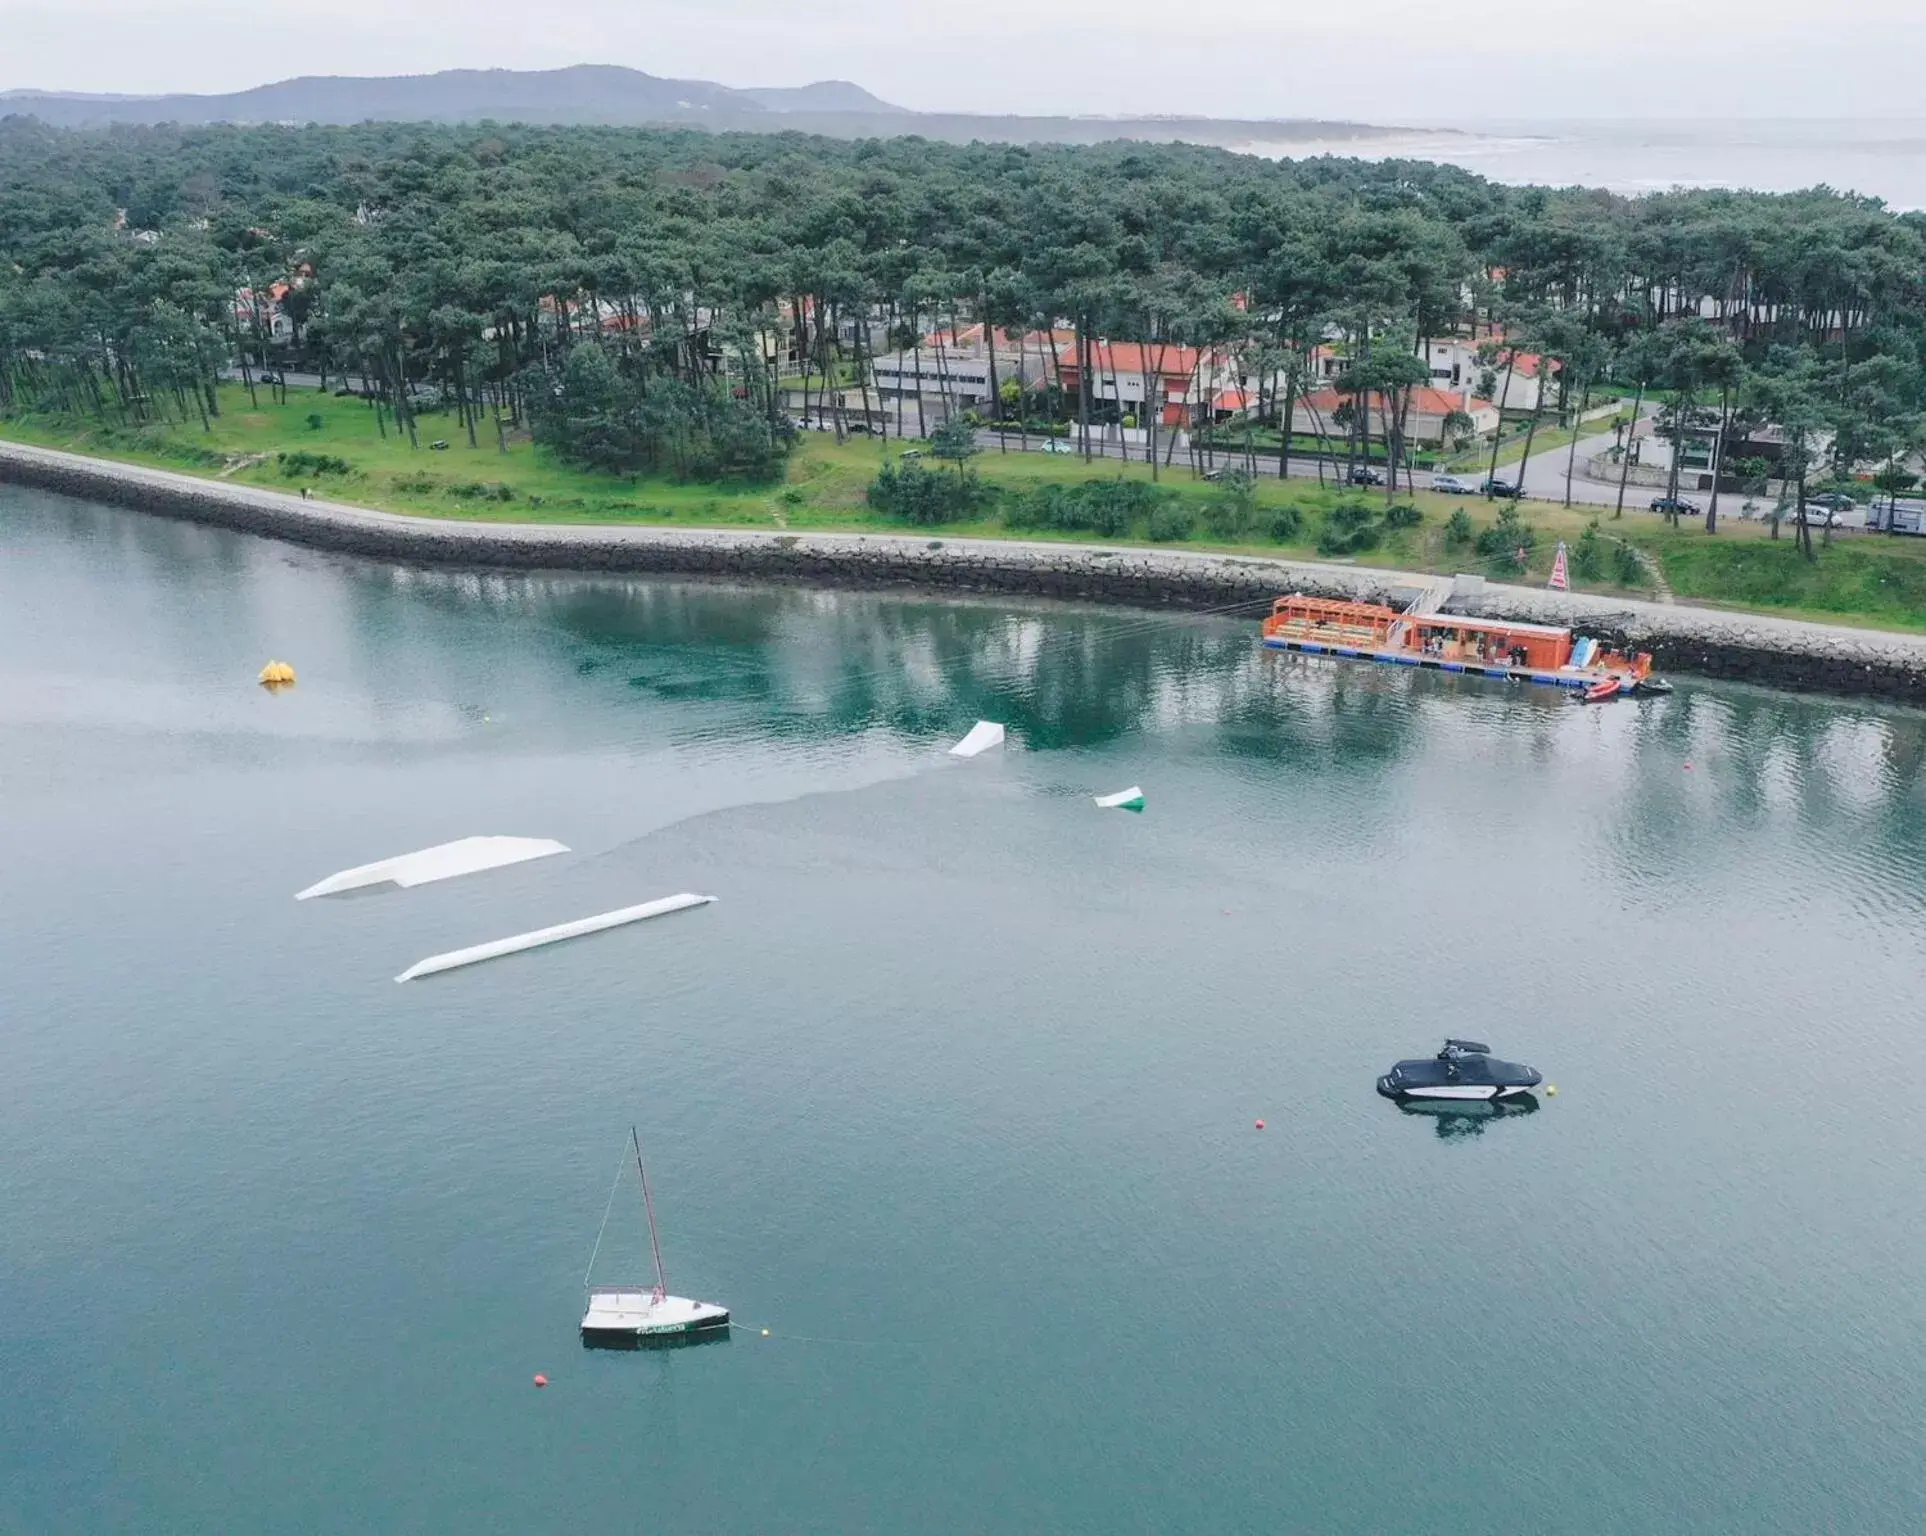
(1776,652)
(603,325)
(297,439)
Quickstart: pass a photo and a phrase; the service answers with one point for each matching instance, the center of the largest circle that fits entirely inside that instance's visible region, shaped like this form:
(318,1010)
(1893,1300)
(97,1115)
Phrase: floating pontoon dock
(1501,648)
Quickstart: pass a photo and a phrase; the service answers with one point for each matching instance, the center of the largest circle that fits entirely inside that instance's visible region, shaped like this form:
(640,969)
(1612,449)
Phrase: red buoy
(1260,1125)
(540,1379)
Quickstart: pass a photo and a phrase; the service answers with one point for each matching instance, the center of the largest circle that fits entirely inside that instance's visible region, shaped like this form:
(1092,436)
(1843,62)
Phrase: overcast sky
(1382,61)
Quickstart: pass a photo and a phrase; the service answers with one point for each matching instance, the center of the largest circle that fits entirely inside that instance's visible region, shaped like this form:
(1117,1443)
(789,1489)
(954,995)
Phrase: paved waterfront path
(1784,652)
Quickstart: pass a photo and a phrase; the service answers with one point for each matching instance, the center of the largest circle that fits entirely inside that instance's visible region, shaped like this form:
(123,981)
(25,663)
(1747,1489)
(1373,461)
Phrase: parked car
(1833,501)
(1363,474)
(1676,506)
(1504,490)
(268,376)
(1056,445)
(1819,515)
(1451,485)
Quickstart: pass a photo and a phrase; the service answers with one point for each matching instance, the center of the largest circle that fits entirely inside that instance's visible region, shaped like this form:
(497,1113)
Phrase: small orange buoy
(1260,1125)
(540,1379)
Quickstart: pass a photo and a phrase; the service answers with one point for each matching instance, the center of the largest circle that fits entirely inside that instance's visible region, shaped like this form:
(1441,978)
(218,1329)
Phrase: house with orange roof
(1425,412)
(1178,380)
(1327,361)
(261,313)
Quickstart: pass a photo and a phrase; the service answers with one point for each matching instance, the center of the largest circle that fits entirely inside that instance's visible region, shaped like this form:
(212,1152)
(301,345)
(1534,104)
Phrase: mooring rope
(807,1338)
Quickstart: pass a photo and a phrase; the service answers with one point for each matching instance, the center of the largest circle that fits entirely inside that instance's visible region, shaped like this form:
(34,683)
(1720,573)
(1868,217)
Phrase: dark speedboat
(1464,1069)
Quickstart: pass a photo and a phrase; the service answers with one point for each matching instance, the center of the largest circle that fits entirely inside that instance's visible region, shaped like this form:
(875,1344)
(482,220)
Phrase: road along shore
(1783,653)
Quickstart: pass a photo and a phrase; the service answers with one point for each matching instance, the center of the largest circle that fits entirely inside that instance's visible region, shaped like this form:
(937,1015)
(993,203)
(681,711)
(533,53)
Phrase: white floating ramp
(444,861)
(983,735)
(1131,799)
(456,958)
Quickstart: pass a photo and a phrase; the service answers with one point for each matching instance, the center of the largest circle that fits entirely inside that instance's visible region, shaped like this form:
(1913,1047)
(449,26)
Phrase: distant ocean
(1883,157)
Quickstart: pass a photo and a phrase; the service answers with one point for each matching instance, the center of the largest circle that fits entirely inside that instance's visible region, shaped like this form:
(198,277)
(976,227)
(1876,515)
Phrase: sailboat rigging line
(648,1205)
(606,1210)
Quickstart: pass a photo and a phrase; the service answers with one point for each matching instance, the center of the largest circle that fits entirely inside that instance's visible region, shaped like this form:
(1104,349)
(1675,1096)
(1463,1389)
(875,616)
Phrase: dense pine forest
(639,297)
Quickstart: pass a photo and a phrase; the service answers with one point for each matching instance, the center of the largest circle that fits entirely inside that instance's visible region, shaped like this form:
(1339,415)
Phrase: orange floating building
(1535,653)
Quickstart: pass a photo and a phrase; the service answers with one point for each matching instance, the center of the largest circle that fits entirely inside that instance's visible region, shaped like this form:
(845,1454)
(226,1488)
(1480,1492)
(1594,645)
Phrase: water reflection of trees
(1060,676)
(819,661)
(850,660)
(1078,677)
(1839,780)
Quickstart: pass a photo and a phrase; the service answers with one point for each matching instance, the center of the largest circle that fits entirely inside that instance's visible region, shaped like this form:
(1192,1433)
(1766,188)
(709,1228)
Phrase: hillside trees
(712,274)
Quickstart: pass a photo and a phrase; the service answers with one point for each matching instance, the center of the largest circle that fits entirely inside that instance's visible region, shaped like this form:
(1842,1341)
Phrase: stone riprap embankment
(1781,652)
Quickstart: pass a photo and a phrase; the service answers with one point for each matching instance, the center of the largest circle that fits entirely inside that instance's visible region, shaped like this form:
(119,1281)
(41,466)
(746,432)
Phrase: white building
(953,367)
(1457,363)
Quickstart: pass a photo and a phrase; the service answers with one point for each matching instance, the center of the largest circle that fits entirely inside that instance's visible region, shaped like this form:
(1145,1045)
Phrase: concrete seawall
(1783,653)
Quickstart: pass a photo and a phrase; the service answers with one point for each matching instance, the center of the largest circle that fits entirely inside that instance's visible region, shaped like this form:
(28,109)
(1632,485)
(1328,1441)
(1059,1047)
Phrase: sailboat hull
(622,1312)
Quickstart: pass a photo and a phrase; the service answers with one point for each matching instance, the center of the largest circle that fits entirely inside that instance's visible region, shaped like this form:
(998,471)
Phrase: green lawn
(1549,438)
(1860,579)
(1555,438)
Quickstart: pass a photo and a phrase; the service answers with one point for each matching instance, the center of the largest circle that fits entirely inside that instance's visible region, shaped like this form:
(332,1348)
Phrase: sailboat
(644,1314)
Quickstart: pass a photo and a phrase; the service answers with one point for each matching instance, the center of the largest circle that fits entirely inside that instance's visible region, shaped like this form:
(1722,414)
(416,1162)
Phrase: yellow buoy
(1551,1090)
(276,674)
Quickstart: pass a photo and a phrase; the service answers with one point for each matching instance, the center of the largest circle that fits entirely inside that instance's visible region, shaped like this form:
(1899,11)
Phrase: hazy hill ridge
(613,95)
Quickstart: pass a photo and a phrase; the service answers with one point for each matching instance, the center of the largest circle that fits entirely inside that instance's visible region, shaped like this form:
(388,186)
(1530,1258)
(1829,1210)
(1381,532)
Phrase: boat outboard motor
(1455,1049)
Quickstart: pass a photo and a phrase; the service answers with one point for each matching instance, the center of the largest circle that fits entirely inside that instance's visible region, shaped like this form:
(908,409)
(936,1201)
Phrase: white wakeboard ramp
(983,735)
(475,954)
(464,856)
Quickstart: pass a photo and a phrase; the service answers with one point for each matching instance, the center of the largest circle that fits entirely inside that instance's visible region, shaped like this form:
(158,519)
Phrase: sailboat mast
(648,1205)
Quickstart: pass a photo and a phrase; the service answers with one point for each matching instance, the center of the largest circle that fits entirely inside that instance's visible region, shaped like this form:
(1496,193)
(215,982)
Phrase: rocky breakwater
(1780,652)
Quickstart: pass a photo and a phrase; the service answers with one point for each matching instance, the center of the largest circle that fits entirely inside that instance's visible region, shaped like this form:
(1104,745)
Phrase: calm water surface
(1882,157)
(952,1091)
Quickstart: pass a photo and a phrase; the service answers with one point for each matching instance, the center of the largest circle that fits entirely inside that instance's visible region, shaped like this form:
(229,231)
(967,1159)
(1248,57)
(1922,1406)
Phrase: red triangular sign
(1560,580)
